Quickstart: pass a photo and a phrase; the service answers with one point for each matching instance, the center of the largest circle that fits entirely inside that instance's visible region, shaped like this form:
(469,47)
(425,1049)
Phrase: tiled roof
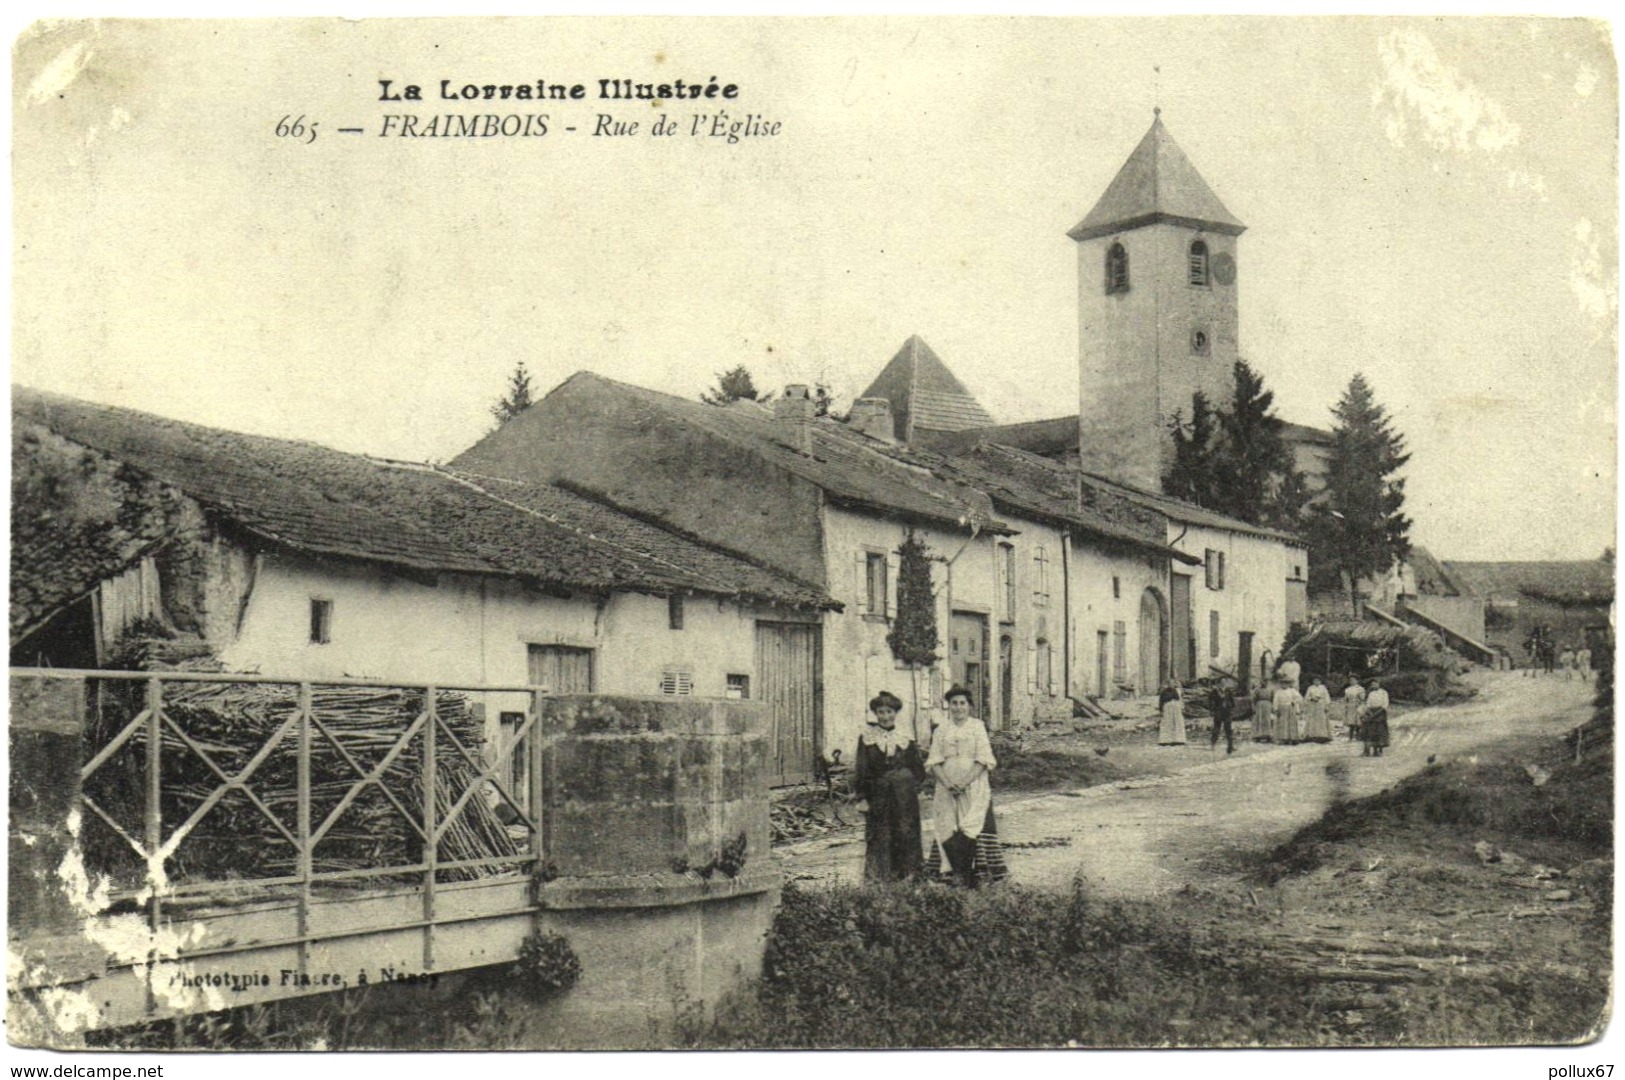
(1579,582)
(1303,433)
(1156,183)
(313,499)
(1432,579)
(924,394)
(846,469)
(1053,438)
(1188,513)
(1023,485)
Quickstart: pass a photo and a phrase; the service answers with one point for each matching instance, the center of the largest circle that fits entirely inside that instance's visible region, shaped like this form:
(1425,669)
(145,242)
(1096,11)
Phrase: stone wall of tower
(1138,359)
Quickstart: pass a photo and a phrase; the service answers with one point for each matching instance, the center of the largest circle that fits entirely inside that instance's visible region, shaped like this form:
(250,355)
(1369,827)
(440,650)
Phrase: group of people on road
(890,771)
(1546,656)
(1281,714)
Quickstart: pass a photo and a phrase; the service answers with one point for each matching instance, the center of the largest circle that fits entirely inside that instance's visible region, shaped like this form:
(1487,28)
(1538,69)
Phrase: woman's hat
(956,690)
(888,699)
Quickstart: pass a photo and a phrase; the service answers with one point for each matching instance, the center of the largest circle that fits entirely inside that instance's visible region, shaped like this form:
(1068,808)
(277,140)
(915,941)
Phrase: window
(674,611)
(1214,563)
(1297,572)
(1041,576)
(321,622)
(1213,633)
(1117,587)
(739,687)
(876,592)
(1199,342)
(1198,263)
(674,683)
(1007,570)
(1119,652)
(1116,269)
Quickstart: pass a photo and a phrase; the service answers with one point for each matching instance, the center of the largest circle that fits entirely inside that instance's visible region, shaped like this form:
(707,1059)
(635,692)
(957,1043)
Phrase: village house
(287,558)
(1575,599)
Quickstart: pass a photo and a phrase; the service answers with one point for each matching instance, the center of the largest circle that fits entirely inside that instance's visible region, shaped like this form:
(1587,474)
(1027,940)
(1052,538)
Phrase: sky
(1432,203)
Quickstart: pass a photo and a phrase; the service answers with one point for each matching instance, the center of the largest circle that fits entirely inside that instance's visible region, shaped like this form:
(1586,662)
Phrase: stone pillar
(657,867)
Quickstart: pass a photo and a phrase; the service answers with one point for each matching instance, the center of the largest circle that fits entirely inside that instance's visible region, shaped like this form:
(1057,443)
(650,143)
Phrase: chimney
(872,417)
(793,417)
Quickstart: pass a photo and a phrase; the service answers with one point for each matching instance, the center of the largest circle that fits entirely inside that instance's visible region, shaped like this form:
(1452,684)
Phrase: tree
(913,636)
(734,385)
(1253,463)
(517,399)
(1234,459)
(1191,476)
(1360,529)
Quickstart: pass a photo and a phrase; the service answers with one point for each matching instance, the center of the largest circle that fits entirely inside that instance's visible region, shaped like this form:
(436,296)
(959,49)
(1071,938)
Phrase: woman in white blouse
(966,838)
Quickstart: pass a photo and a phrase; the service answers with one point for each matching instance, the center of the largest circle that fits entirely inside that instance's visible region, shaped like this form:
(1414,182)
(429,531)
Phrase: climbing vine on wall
(913,637)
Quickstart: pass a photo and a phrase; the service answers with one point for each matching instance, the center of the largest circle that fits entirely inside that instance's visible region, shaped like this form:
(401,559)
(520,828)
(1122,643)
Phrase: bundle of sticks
(231,723)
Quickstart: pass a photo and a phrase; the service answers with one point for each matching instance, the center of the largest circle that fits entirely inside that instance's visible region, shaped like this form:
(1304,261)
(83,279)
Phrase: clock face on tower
(1224,268)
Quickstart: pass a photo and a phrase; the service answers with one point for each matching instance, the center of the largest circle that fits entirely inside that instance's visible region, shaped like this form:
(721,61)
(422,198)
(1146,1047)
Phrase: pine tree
(734,385)
(1253,465)
(517,399)
(1235,459)
(1360,529)
(1195,447)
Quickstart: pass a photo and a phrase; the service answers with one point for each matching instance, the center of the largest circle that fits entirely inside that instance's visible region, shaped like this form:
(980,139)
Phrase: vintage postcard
(746,533)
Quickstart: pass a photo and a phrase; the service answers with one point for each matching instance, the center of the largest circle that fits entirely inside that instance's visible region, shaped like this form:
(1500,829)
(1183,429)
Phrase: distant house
(1575,599)
(288,558)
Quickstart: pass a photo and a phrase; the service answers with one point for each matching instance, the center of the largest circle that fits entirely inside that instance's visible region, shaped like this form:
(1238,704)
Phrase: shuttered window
(1213,561)
(1213,633)
(674,683)
(1041,576)
(1198,263)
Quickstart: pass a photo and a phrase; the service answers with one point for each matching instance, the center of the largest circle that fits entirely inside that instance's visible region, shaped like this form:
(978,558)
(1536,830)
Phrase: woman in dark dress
(890,770)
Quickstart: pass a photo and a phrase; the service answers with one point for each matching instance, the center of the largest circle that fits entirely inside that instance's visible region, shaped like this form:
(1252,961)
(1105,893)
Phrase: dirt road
(1143,837)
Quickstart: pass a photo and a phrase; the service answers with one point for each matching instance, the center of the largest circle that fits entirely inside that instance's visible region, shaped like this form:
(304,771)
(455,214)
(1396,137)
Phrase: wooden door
(1184,642)
(563,669)
(967,654)
(1244,661)
(789,678)
(1153,633)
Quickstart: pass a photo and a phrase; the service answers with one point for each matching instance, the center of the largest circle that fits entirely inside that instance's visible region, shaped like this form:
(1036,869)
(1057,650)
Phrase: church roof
(1157,183)
(925,394)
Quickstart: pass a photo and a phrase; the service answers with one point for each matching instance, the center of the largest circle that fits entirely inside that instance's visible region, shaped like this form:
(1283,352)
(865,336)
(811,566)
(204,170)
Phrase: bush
(546,965)
(929,966)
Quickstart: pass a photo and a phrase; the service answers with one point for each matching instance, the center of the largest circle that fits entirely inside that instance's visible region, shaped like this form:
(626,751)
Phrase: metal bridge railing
(459,789)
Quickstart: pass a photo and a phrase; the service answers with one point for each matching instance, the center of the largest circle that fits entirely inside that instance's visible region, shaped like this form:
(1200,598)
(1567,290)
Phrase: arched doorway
(1153,641)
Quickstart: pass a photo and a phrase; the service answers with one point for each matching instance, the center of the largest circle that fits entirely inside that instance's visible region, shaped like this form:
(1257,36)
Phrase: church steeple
(1157,183)
(1157,309)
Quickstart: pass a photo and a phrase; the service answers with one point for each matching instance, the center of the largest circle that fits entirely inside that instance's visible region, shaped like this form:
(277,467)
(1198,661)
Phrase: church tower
(1156,309)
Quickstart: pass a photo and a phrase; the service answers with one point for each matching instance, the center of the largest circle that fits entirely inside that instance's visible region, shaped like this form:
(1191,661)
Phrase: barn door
(563,669)
(789,673)
(1184,642)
